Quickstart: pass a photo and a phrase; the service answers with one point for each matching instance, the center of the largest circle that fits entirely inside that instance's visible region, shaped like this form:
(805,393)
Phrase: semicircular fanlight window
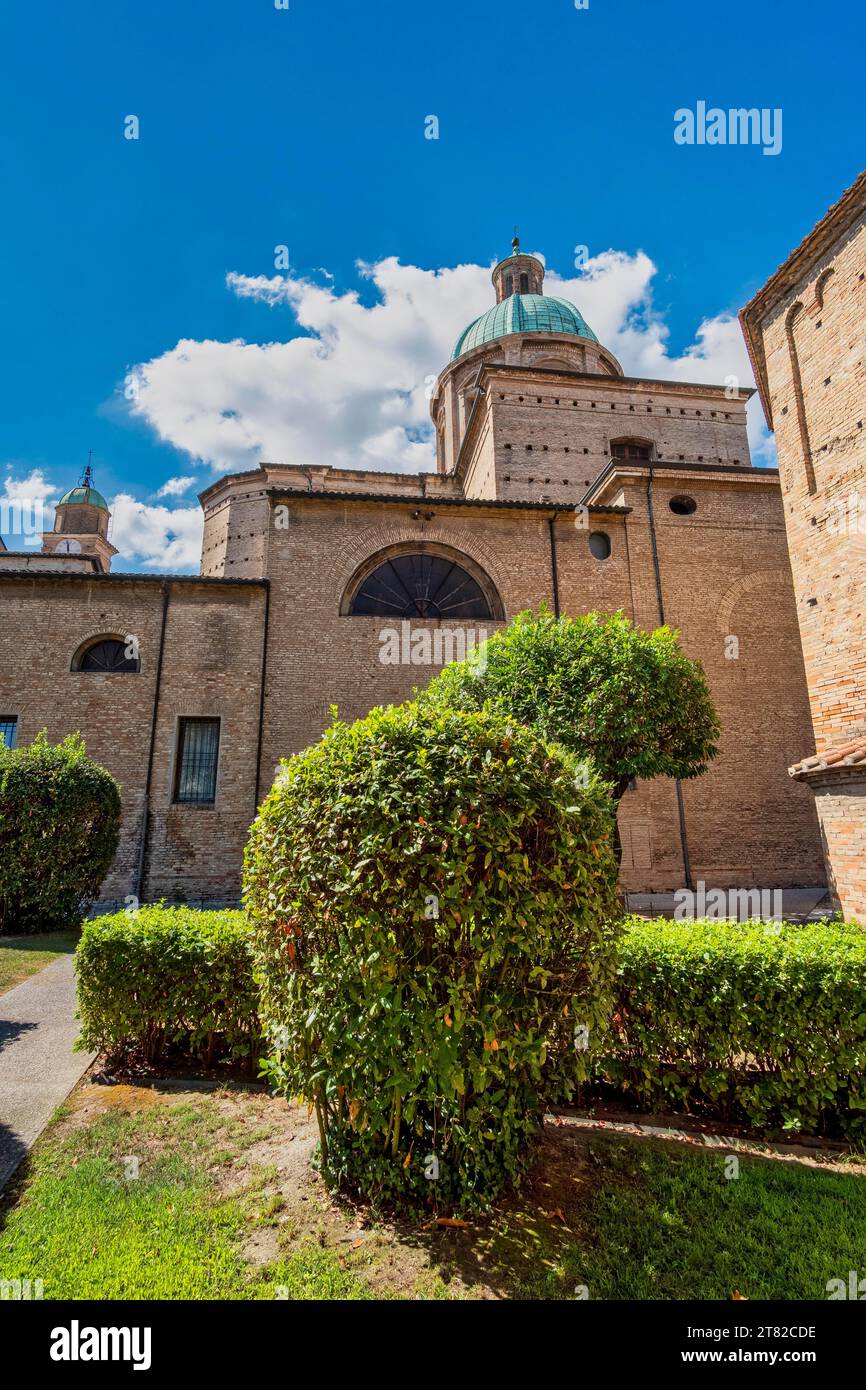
(421,586)
(108,655)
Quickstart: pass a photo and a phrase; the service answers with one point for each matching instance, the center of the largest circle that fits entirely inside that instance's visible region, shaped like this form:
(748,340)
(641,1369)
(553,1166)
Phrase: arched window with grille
(422,584)
(108,656)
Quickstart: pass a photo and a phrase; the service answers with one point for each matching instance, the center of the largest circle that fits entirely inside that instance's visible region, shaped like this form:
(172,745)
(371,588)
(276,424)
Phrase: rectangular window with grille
(8,727)
(196,766)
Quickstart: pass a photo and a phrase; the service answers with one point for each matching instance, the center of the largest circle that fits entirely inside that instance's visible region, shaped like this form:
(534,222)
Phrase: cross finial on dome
(515,244)
(87,476)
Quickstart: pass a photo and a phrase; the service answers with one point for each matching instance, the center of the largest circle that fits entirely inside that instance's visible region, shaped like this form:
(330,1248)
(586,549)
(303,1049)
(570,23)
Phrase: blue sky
(304,127)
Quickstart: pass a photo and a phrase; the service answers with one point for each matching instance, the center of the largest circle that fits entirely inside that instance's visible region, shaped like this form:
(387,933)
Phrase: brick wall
(724,571)
(211,666)
(747,823)
(841,807)
(805,330)
(552,435)
(822,461)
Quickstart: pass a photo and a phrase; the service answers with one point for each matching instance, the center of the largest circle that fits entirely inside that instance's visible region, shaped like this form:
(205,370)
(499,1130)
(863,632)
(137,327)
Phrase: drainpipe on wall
(145,831)
(681,809)
(554,572)
(264,672)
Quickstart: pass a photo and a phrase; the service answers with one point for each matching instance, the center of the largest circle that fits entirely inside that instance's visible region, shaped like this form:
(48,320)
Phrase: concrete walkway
(37,1065)
(788,904)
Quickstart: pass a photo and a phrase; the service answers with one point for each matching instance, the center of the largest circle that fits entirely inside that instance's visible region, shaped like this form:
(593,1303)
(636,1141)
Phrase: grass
(89,1228)
(22,956)
(666,1223)
(226,1206)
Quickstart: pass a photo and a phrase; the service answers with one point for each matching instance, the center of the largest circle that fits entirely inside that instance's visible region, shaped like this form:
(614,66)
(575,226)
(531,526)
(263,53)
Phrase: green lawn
(89,1231)
(225,1206)
(665,1223)
(21,956)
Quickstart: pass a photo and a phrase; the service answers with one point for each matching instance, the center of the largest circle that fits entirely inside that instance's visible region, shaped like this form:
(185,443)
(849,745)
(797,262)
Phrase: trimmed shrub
(432,896)
(758,1021)
(167,977)
(59,826)
(629,700)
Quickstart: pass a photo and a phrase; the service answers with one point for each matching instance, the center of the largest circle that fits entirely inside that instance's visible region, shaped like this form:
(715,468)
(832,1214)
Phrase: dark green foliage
(59,826)
(629,700)
(433,902)
(164,976)
(762,1021)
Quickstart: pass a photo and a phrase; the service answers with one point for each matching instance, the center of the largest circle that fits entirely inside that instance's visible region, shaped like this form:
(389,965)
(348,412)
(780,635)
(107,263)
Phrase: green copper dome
(84,496)
(524,313)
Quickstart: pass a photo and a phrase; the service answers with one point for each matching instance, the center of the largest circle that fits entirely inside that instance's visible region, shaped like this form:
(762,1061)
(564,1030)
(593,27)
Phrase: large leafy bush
(762,1021)
(59,826)
(630,700)
(432,899)
(161,977)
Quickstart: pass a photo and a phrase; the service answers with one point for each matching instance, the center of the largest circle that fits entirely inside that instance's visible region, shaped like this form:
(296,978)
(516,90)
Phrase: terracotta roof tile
(844,755)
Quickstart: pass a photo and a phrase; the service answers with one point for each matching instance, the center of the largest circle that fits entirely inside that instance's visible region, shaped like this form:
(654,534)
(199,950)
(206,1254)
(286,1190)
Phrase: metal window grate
(8,727)
(198,749)
(108,655)
(421,586)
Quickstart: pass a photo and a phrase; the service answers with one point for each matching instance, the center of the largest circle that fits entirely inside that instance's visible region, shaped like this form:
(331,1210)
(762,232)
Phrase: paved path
(37,1065)
(794,904)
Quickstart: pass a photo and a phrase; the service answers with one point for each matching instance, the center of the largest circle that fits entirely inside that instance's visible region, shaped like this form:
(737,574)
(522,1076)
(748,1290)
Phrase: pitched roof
(844,755)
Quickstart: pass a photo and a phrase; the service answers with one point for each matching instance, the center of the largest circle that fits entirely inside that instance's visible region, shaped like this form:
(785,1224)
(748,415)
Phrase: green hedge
(163,977)
(762,1022)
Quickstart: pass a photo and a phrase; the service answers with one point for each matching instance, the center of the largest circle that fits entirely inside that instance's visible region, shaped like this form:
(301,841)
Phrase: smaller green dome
(84,496)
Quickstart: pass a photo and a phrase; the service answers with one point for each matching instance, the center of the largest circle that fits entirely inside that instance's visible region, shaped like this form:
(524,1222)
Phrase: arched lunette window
(112,655)
(422,581)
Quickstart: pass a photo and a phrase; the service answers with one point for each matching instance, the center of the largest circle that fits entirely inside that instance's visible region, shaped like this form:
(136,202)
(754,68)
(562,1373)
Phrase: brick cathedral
(559,480)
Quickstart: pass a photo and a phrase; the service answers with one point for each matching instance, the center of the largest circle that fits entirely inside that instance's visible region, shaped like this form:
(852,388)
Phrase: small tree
(629,700)
(59,826)
(432,898)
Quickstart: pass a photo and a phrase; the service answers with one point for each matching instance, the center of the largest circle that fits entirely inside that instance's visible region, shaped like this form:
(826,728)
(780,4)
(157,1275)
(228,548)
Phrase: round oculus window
(599,545)
(683,506)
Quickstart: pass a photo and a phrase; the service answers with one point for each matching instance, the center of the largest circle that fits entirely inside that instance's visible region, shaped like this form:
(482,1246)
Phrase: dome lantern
(517,274)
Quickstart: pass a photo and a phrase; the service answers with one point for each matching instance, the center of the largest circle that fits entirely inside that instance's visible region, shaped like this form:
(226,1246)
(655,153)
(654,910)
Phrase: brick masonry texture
(805,333)
(211,666)
(530,444)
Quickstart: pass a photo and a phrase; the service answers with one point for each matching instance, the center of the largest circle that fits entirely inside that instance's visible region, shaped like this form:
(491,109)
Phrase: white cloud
(26,508)
(350,390)
(158,538)
(34,488)
(176,487)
